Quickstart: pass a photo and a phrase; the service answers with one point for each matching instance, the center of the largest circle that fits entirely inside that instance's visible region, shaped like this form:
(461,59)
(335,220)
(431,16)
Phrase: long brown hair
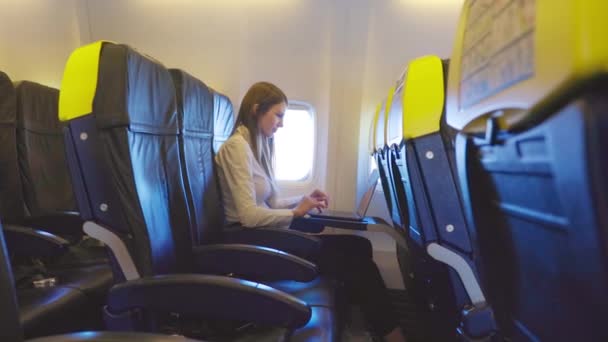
(264,95)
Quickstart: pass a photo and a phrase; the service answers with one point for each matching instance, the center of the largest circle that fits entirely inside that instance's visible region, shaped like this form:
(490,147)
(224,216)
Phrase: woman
(250,195)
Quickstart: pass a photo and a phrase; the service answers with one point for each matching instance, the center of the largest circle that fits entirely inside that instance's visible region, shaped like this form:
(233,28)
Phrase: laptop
(361,210)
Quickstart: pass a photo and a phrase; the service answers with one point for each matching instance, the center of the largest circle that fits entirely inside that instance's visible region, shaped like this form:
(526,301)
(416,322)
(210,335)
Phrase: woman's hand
(320,196)
(307,204)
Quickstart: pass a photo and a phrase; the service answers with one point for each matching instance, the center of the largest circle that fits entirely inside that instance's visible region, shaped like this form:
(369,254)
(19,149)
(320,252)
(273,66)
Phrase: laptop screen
(369,193)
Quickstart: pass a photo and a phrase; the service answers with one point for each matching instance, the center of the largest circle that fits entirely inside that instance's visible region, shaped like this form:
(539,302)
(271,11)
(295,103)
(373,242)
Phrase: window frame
(308,179)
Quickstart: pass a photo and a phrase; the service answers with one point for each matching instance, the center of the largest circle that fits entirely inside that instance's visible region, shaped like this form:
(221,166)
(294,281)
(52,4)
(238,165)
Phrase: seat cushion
(93,281)
(320,295)
(55,310)
(322,327)
(319,292)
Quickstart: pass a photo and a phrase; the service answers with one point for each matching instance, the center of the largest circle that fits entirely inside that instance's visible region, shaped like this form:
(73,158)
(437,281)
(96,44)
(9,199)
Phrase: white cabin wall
(349,40)
(36,38)
(399,31)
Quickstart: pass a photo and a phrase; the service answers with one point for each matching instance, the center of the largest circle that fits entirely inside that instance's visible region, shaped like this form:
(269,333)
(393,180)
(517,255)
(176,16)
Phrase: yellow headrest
(79,82)
(423,97)
(511,55)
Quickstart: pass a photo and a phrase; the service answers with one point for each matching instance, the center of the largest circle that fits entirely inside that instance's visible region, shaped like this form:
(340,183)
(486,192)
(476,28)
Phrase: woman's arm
(292,202)
(284,202)
(236,160)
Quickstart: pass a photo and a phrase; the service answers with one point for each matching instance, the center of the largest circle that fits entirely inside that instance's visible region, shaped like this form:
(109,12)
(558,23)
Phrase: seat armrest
(290,241)
(304,224)
(65,223)
(111,336)
(335,223)
(252,262)
(209,296)
(25,241)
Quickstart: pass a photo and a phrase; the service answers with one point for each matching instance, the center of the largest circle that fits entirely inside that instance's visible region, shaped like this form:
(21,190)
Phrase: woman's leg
(346,246)
(349,258)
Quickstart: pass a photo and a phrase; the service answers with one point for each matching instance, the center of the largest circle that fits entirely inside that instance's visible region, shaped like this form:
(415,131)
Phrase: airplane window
(294,143)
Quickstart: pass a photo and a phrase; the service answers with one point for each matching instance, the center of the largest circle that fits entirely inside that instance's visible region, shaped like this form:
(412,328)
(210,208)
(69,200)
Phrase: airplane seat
(37,311)
(48,195)
(71,298)
(8,147)
(223,119)
(423,175)
(418,327)
(381,148)
(9,324)
(197,116)
(529,104)
(393,139)
(56,310)
(123,152)
(11,328)
(41,195)
(47,190)
(44,196)
(371,142)
(321,291)
(41,155)
(195,112)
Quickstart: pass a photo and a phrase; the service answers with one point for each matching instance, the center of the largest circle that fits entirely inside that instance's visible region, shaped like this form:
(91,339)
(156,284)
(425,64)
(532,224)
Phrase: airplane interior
(452,150)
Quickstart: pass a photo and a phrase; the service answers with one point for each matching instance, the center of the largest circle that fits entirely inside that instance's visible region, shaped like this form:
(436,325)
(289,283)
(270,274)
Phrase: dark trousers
(348,258)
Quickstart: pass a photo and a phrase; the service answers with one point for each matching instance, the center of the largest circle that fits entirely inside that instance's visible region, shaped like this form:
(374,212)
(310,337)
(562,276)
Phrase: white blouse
(247,193)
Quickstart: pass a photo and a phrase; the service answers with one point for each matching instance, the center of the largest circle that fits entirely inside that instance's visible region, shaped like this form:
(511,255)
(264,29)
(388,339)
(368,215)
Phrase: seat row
(61,277)
(57,280)
(11,316)
(139,142)
(492,169)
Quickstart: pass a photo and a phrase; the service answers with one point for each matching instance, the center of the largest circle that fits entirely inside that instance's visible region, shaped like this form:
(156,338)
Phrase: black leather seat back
(124,154)
(41,151)
(394,137)
(422,171)
(537,203)
(11,191)
(196,112)
(380,153)
(223,119)
(531,156)
(10,327)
